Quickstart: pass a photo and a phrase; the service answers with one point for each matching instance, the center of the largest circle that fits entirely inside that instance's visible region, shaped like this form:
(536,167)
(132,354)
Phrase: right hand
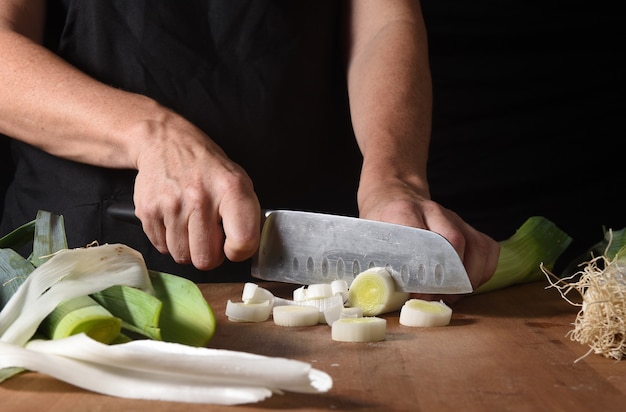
(193,201)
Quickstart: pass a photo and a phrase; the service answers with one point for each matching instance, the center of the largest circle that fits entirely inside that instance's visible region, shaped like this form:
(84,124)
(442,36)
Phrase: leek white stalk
(422,313)
(158,370)
(68,274)
(362,329)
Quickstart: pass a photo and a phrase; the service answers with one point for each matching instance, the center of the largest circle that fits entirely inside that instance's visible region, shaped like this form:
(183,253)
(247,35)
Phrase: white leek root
(148,369)
(374,291)
(601,321)
(362,329)
(423,313)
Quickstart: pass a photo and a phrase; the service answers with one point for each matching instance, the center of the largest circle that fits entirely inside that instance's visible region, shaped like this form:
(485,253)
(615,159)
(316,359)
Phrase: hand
(193,201)
(401,205)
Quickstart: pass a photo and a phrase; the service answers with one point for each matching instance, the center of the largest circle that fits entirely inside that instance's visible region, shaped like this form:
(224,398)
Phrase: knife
(305,248)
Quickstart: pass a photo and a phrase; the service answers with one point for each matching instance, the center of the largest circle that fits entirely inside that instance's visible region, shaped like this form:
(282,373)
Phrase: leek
(68,274)
(295,315)
(375,292)
(14,269)
(139,311)
(47,233)
(49,236)
(360,329)
(424,313)
(601,282)
(19,237)
(81,315)
(538,241)
(148,369)
(186,316)
(175,311)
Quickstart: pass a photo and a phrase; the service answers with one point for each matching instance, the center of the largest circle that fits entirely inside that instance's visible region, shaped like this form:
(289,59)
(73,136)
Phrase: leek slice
(157,370)
(375,292)
(248,312)
(362,329)
(295,315)
(423,313)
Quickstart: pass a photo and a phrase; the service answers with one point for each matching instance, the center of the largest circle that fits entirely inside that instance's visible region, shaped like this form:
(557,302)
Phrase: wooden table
(503,351)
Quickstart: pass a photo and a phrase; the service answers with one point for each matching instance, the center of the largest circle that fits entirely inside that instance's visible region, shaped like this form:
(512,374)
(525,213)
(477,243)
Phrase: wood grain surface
(503,351)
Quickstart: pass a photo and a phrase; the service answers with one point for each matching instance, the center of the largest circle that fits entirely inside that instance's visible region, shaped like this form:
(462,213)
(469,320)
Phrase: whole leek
(538,241)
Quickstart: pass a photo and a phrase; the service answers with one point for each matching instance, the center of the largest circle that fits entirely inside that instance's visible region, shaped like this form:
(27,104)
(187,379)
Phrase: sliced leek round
(340,287)
(248,312)
(374,291)
(319,291)
(296,315)
(423,313)
(253,293)
(363,329)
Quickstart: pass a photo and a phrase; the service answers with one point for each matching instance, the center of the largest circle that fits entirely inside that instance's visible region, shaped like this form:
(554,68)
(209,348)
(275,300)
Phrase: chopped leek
(248,312)
(361,329)
(295,315)
(423,313)
(375,292)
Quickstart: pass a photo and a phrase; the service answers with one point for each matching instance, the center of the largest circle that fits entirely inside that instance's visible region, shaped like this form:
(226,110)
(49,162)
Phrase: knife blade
(307,247)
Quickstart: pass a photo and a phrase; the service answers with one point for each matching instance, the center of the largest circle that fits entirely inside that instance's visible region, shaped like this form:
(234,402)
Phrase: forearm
(51,105)
(390,98)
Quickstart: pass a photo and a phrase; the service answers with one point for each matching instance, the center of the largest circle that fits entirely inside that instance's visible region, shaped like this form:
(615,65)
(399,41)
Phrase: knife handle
(123,210)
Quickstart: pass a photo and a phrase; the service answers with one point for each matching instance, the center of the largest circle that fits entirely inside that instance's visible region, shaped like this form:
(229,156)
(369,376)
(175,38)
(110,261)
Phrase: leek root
(601,321)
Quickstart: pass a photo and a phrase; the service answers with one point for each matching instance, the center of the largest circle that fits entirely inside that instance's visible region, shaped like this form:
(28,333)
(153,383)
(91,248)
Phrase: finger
(484,255)
(241,220)
(206,239)
(176,236)
(155,231)
(152,225)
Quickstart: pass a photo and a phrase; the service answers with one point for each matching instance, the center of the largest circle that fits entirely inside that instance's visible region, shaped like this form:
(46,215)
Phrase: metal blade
(306,248)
